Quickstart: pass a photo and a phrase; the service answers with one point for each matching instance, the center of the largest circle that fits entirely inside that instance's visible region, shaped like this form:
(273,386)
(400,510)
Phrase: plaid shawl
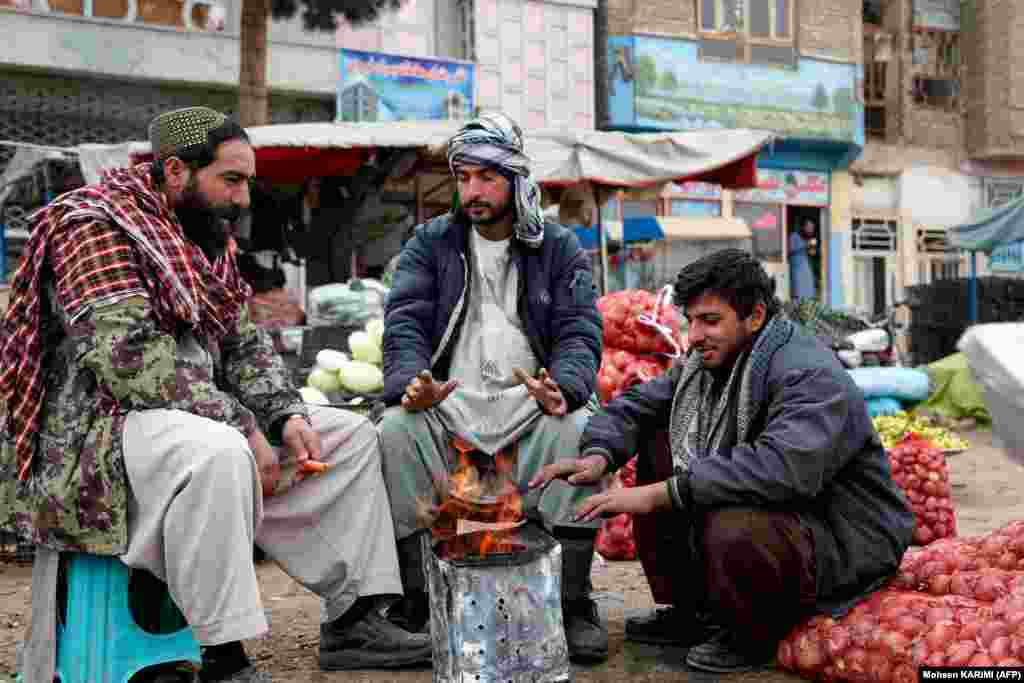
(157,262)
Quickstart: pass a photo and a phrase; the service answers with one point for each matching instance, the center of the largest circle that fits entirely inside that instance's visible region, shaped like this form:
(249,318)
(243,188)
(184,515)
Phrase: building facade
(944,139)
(794,68)
(74,71)
(533,59)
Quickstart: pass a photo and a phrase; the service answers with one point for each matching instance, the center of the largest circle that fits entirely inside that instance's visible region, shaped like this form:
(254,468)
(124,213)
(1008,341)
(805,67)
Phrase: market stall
(991,230)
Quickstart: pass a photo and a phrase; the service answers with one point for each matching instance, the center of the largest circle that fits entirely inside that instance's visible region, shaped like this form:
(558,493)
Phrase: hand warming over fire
(637,500)
(578,472)
(424,393)
(546,391)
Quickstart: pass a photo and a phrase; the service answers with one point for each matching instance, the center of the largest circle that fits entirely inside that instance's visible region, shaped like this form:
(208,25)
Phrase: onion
(999,648)
(837,641)
(939,585)
(809,657)
(980,659)
(879,667)
(941,635)
(960,653)
(991,630)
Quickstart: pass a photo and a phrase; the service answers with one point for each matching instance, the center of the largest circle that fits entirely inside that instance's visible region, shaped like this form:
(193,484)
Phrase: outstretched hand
(545,390)
(637,500)
(424,393)
(578,472)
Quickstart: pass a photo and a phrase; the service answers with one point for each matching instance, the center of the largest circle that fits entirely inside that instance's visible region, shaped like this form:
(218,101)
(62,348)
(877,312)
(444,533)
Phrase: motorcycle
(875,345)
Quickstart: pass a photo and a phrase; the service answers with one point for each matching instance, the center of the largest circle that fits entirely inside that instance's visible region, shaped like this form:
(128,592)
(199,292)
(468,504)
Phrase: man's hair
(732,274)
(201,156)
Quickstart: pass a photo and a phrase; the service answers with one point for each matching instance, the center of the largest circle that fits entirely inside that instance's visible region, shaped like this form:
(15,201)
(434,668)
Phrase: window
(999,192)
(695,208)
(755,31)
(634,208)
(467,29)
(721,16)
(201,15)
(765,223)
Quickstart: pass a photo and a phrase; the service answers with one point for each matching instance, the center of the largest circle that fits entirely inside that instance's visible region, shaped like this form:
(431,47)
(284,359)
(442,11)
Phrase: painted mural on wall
(662,83)
(937,14)
(379,87)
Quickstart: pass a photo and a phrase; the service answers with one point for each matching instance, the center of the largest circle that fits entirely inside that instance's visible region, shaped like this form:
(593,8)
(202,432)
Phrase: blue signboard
(381,87)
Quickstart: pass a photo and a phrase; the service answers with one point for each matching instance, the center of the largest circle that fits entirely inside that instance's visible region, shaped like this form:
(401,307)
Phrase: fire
(480,504)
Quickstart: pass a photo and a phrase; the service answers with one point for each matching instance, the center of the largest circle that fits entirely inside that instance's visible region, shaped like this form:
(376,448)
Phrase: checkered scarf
(495,140)
(696,427)
(183,287)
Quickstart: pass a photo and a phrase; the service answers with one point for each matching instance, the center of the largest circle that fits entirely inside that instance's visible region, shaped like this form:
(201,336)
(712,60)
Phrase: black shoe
(670,626)
(411,612)
(721,655)
(373,642)
(585,633)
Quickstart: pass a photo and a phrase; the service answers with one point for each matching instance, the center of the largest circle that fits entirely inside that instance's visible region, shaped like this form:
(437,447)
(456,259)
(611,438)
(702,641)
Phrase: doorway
(796,218)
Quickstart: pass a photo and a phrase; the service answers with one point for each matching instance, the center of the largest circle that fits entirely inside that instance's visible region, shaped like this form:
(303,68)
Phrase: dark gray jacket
(813,450)
(426,308)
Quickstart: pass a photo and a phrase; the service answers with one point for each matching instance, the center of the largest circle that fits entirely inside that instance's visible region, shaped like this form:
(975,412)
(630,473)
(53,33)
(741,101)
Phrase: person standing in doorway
(801,276)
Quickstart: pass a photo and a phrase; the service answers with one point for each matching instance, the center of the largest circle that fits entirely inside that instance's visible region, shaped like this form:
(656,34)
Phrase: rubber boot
(412,611)
(585,632)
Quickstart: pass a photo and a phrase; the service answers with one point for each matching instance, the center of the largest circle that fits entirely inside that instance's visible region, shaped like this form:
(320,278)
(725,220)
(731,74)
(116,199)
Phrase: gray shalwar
(198,507)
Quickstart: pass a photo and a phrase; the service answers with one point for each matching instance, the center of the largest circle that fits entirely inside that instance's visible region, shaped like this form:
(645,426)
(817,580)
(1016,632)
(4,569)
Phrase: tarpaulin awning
(559,156)
(696,228)
(991,228)
(651,228)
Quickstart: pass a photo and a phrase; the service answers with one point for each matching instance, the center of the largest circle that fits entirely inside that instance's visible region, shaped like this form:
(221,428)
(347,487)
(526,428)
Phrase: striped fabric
(141,252)
(495,140)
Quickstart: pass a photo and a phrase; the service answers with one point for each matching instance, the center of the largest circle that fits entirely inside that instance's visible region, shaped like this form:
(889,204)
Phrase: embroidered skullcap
(174,132)
(496,141)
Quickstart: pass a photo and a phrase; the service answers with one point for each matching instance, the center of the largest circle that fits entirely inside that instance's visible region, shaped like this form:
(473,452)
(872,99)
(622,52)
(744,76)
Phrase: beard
(205,225)
(497,214)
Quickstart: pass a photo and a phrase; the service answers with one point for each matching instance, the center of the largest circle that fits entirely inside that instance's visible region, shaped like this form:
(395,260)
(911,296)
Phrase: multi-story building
(534,58)
(781,65)
(944,138)
(74,71)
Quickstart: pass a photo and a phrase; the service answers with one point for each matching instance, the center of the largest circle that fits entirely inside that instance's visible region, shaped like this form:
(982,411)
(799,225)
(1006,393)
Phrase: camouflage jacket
(77,495)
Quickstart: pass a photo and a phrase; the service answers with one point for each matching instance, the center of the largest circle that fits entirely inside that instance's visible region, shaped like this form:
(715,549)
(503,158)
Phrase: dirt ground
(986,490)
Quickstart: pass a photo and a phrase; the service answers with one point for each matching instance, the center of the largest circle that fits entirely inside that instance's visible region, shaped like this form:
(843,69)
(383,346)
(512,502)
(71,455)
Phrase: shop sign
(695,189)
(1008,258)
(379,87)
(937,14)
(788,187)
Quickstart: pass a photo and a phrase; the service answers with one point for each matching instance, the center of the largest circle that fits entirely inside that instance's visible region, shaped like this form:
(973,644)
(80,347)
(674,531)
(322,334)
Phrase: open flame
(480,504)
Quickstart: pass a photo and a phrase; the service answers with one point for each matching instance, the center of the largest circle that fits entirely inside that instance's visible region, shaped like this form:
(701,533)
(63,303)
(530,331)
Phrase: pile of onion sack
(643,336)
(957,602)
(919,467)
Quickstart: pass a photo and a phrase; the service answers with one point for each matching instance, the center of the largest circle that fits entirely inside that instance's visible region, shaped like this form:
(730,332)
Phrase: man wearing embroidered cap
(492,336)
(141,403)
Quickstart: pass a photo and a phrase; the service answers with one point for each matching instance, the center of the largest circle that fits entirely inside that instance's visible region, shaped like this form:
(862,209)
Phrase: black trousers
(753,569)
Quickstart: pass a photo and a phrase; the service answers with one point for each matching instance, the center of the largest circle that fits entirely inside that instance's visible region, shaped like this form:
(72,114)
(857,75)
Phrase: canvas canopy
(559,157)
(991,228)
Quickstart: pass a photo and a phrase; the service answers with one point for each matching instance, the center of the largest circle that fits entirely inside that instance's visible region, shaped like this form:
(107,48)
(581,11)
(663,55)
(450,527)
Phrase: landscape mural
(662,83)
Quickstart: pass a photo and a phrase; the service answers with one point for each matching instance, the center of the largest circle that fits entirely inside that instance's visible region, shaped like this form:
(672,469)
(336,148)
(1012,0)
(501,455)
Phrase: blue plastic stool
(99,641)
